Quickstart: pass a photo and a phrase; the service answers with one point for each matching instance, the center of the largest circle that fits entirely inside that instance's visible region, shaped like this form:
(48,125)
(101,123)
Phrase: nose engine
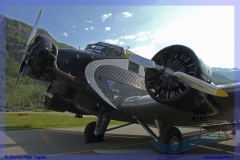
(40,55)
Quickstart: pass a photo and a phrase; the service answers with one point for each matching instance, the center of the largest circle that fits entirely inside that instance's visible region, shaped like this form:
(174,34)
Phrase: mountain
(13,38)
(219,79)
(230,73)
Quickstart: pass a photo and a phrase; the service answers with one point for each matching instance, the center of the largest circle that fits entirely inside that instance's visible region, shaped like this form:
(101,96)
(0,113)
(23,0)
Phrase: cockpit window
(96,48)
(105,49)
(100,47)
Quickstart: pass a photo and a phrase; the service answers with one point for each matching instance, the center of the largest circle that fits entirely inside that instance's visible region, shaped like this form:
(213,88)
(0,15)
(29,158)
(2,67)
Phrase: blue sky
(208,30)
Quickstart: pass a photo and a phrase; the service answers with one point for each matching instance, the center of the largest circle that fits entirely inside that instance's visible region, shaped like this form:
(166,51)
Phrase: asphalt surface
(132,139)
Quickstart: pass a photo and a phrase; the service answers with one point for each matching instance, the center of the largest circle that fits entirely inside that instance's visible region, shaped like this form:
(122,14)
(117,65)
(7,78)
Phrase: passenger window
(118,52)
(133,67)
(110,52)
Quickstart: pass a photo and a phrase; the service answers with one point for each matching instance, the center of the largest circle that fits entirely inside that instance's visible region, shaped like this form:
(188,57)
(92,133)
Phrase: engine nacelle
(169,90)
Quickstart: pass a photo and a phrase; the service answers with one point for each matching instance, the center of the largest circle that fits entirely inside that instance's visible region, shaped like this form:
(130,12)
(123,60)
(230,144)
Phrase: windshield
(105,49)
(97,48)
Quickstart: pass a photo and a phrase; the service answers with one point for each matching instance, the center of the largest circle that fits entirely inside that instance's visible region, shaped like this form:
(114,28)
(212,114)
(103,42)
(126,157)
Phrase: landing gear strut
(169,139)
(89,134)
(94,131)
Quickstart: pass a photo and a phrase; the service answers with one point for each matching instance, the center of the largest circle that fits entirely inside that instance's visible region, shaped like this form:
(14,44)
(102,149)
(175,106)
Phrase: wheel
(89,133)
(171,137)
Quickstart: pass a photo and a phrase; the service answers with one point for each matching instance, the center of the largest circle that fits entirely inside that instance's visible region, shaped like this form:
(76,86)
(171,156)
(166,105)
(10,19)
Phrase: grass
(46,120)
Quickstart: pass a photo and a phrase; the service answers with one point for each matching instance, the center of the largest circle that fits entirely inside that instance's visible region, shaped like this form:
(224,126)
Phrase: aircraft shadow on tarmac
(51,142)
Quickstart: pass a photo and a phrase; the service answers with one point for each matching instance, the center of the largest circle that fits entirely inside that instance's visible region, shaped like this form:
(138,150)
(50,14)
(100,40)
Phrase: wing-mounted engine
(170,90)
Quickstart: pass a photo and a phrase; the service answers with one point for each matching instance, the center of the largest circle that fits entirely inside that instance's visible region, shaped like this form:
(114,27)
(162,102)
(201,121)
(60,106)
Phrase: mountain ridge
(14,35)
(230,73)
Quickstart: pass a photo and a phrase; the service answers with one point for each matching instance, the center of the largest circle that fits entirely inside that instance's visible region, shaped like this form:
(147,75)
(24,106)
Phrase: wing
(146,108)
(231,102)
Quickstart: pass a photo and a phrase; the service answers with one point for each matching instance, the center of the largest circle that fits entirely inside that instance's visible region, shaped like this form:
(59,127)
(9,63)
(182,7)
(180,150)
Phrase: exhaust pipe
(58,71)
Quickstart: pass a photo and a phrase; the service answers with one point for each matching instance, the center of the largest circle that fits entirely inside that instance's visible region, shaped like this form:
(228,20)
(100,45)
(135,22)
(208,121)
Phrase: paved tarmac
(132,139)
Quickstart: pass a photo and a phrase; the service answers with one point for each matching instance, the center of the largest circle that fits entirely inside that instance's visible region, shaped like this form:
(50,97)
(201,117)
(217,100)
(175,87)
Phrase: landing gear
(171,137)
(89,134)
(94,131)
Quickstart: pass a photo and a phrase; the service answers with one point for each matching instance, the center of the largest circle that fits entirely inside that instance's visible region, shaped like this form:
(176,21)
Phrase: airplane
(174,88)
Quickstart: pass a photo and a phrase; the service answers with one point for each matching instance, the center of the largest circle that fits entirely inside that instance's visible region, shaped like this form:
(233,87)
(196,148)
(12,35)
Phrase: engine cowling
(168,89)
(40,56)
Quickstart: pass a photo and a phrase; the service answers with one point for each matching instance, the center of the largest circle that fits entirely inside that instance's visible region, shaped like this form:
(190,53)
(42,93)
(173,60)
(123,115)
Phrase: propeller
(186,79)
(24,52)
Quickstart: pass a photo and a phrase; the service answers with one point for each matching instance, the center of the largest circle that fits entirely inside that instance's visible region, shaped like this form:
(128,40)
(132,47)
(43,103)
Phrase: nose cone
(39,56)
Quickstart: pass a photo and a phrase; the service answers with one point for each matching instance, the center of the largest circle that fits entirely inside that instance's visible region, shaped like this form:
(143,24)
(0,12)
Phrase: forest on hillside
(28,93)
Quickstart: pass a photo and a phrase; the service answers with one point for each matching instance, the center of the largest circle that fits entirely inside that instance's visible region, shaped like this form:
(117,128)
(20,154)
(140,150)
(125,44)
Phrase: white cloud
(121,43)
(209,33)
(86,29)
(65,34)
(89,21)
(92,28)
(142,39)
(147,51)
(105,16)
(112,41)
(107,28)
(128,37)
(74,26)
(127,14)
(140,34)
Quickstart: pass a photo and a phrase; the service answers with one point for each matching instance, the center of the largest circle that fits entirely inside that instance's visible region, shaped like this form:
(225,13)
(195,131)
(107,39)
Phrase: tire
(171,136)
(89,133)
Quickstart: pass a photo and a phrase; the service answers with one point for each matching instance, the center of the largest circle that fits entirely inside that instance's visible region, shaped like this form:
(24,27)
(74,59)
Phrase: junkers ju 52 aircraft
(111,82)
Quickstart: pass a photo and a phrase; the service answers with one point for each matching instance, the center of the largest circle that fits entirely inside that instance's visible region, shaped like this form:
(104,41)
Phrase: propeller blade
(140,60)
(33,31)
(19,74)
(183,77)
(199,84)
(143,61)
(32,34)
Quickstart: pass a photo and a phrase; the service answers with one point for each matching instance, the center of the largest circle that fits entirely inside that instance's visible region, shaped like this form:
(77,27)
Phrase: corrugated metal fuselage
(113,83)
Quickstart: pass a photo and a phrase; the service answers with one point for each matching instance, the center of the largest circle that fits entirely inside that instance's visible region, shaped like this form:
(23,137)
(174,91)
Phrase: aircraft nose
(39,55)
